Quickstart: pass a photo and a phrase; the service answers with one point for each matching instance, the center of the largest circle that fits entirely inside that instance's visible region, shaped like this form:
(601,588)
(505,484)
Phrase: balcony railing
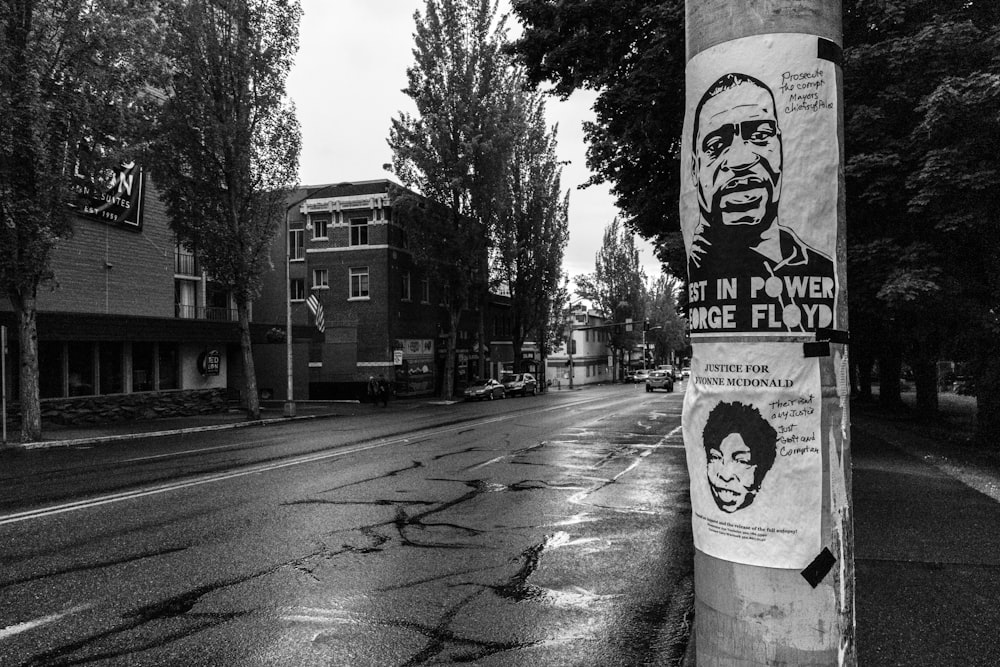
(211,313)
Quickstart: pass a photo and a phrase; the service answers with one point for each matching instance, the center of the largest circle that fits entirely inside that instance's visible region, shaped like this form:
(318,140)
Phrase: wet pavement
(926,507)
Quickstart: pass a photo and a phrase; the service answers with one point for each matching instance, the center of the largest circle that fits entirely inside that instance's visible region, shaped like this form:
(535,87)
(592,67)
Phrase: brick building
(128,325)
(382,315)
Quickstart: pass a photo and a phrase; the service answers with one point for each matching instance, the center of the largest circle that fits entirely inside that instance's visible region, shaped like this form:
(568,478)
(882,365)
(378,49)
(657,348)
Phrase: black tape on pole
(817,349)
(817,570)
(827,50)
(834,336)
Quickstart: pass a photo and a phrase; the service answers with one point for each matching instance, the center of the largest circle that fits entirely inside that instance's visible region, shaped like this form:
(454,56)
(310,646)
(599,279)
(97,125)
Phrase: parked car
(660,380)
(519,384)
(685,372)
(484,389)
(640,376)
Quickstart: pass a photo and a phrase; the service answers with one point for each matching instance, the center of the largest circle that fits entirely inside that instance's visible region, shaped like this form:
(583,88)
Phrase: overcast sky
(346,85)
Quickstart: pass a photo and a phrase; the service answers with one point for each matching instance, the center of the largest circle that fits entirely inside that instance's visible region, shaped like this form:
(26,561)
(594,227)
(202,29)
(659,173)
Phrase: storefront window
(112,378)
(81,368)
(143,367)
(168,363)
(50,369)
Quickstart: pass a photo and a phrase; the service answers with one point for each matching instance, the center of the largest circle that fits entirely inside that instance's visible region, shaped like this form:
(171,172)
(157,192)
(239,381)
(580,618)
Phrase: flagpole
(290,396)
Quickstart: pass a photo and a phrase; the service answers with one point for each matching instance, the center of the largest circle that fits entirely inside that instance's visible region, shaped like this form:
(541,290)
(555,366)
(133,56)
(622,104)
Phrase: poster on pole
(760,161)
(752,438)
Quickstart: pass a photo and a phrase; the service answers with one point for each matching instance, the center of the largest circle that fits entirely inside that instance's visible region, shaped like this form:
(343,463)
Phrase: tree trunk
(866,372)
(448,384)
(988,401)
(925,378)
(890,366)
(252,398)
(27,327)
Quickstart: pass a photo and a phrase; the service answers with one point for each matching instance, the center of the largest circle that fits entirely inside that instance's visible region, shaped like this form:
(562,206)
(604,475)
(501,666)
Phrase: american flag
(317,310)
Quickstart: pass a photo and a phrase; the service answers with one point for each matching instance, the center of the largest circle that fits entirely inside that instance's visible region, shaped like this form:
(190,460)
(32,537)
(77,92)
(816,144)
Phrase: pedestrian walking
(373,390)
(383,390)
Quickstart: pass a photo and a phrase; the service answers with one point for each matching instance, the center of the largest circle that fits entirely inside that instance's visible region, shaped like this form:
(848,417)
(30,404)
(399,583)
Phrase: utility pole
(766,414)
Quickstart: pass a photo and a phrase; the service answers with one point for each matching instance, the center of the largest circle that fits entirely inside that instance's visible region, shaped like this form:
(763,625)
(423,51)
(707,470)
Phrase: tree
(73,76)
(227,147)
(453,150)
(661,311)
(922,182)
(632,53)
(530,239)
(616,287)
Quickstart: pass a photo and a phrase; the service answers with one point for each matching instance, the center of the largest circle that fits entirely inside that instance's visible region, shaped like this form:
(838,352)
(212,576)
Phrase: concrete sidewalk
(927,536)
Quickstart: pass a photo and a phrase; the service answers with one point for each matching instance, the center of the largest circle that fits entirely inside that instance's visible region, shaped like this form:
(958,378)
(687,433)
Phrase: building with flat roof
(382,315)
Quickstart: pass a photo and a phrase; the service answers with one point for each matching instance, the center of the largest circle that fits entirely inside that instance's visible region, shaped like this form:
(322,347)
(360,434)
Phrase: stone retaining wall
(127,407)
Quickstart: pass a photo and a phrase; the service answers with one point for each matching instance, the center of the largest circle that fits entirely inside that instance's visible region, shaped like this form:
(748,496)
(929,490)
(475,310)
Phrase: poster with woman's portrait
(752,437)
(760,160)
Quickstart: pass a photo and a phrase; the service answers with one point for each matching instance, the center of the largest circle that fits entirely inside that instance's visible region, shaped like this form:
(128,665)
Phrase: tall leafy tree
(452,151)
(228,142)
(921,130)
(617,287)
(530,239)
(661,311)
(632,53)
(72,74)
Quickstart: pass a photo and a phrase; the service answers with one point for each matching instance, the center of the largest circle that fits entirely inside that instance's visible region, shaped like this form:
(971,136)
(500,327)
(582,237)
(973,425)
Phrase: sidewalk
(927,535)
(57,435)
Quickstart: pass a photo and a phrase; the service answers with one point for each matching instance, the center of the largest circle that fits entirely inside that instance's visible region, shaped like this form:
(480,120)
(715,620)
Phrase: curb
(99,439)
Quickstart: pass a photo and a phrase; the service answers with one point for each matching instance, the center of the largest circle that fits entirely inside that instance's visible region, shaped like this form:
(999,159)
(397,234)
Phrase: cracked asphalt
(550,530)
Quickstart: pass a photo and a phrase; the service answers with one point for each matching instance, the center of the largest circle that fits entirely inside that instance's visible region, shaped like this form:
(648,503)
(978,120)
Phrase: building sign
(752,436)
(209,362)
(112,196)
(415,368)
(759,186)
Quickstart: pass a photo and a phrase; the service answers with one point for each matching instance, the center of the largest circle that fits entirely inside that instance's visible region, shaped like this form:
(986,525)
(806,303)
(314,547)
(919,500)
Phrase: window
(425,290)
(296,244)
(359,231)
(359,282)
(321,279)
(111,367)
(406,286)
(81,368)
(168,363)
(298,289)
(50,369)
(143,367)
(320,228)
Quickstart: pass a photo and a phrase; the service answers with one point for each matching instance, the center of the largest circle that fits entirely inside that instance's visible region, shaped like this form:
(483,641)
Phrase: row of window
(359,285)
(321,232)
(86,368)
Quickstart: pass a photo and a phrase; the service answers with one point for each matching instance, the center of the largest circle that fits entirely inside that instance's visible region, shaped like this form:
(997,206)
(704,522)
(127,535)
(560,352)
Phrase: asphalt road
(550,530)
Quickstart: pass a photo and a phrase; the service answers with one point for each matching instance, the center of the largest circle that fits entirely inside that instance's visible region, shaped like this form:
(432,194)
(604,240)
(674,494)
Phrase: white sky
(346,86)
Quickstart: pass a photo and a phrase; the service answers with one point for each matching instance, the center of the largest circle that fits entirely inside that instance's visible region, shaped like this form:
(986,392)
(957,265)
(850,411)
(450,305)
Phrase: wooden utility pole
(754,604)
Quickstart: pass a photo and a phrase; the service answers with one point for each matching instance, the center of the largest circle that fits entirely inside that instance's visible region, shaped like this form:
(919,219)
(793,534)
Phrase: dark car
(519,384)
(484,389)
(660,380)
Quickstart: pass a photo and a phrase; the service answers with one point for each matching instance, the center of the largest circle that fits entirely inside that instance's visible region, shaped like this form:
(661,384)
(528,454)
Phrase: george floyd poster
(752,438)
(759,184)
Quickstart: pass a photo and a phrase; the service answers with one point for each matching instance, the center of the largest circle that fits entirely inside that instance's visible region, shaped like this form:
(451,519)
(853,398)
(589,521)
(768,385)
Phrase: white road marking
(17,629)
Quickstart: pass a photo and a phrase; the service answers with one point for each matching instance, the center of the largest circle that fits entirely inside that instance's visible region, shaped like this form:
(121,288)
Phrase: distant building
(590,353)
(382,314)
